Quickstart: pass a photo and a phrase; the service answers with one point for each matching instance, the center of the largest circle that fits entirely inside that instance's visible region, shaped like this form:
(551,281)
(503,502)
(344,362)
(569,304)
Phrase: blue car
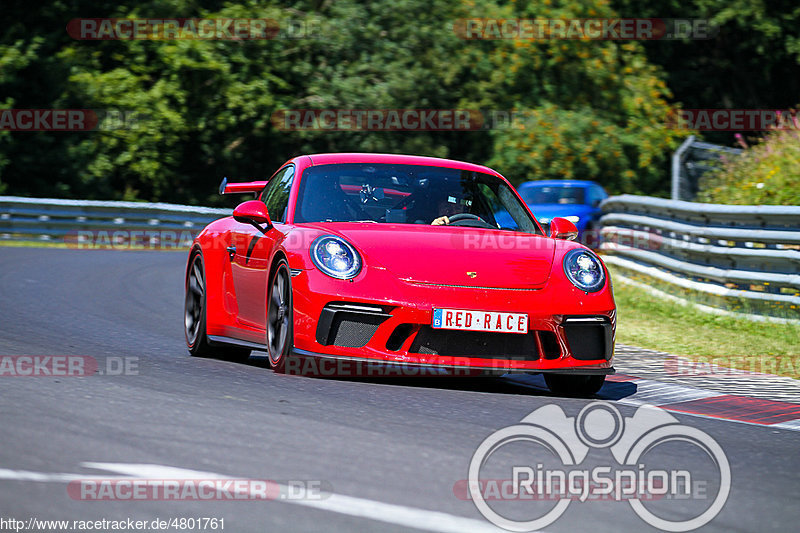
(575,200)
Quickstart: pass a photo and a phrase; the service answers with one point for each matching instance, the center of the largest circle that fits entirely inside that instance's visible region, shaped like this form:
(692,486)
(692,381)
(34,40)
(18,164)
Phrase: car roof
(397,159)
(559,183)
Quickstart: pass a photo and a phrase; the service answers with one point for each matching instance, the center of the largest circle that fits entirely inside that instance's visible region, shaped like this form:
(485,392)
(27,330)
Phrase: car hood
(453,256)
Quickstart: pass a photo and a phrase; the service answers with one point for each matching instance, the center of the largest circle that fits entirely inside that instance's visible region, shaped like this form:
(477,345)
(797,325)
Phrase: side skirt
(230,341)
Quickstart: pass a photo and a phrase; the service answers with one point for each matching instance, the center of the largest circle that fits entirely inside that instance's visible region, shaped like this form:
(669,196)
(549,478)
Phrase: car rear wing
(252,187)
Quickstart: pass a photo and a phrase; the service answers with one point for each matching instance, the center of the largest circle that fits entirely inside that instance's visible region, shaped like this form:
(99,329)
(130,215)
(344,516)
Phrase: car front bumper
(569,331)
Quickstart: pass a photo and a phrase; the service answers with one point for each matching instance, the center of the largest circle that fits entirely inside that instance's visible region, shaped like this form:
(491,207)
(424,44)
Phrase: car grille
(456,343)
(354,331)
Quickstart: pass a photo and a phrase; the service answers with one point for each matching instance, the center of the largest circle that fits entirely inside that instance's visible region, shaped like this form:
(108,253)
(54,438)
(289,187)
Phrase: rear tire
(194,318)
(194,309)
(574,386)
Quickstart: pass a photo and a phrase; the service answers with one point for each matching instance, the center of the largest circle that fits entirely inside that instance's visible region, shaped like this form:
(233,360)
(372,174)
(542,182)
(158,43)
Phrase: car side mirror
(252,212)
(561,228)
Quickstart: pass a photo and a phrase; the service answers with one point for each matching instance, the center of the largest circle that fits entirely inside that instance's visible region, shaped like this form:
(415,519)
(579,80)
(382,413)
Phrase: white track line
(336,503)
(389,513)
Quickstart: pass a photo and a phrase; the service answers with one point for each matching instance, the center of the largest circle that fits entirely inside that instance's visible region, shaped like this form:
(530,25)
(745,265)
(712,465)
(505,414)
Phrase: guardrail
(89,222)
(738,258)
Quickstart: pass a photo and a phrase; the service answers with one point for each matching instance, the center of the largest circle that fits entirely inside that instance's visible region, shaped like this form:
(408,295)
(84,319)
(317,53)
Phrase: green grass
(32,244)
(648,321)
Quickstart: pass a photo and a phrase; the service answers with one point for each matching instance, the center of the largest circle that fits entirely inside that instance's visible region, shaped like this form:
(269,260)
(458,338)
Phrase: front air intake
(349,325)
(589,338)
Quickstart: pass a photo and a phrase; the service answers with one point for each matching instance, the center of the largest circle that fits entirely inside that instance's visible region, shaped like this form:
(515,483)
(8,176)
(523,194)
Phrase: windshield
(552,195)
(408,194)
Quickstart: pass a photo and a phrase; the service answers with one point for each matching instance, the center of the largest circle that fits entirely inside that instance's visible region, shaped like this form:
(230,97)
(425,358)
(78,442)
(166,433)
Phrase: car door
(252,249)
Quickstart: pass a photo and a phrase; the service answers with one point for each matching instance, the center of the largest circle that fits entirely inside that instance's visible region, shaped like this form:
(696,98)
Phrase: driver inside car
(449,206)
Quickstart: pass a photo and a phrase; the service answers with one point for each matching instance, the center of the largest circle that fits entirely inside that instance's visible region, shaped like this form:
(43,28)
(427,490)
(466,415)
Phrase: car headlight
(335,257)
(573,219)
(584,270)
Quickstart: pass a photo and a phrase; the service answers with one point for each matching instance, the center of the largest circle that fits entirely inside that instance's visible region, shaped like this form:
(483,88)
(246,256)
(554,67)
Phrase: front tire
(574,386)
(280,317)
(194,317)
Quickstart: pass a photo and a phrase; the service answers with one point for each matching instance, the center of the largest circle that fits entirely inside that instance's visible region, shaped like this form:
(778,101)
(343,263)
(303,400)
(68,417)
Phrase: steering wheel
(468,219)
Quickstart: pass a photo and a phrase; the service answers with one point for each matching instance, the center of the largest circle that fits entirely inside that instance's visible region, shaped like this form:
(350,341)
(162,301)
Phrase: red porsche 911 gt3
(413,261)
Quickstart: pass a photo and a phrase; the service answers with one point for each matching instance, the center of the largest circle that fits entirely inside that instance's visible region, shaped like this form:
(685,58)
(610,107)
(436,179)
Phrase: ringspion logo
(520,496)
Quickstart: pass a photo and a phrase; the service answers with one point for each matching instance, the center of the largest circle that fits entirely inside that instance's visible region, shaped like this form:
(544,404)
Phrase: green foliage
(596,109)
(767,173)
(752,62)
(14,57)
(201,111)
(592,110)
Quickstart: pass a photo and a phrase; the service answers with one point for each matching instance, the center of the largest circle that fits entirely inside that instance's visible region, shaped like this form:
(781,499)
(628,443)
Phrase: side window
(596,195)
(591,195)
(276,194)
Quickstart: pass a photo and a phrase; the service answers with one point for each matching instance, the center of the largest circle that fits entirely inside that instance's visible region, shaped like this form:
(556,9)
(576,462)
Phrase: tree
(593,110)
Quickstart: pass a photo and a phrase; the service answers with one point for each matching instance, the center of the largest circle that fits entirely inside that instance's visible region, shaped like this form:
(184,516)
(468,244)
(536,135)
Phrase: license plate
(464,319)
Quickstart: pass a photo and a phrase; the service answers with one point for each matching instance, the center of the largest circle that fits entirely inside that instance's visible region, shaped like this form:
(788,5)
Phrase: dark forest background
(593,109)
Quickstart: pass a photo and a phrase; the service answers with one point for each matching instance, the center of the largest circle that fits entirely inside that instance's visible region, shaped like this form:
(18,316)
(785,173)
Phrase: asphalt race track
(388,453)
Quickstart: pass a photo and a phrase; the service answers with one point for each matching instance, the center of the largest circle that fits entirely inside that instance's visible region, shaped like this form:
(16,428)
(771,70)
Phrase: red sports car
(424,264)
